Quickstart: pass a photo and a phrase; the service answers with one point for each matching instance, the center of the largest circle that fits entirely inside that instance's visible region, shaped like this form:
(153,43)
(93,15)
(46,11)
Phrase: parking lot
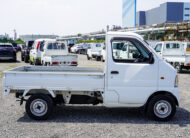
(89,121)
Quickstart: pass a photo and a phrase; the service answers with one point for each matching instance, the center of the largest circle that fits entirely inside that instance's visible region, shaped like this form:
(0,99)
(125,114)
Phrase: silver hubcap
(162,109)
(38,107)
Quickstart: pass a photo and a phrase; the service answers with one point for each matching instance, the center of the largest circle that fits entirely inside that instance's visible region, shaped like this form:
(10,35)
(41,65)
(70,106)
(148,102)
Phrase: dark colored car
(69,47)
(16,47)
(7,52)
(25,52)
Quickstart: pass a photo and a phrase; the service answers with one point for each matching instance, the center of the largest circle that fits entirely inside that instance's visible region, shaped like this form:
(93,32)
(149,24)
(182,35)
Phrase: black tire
(25,59)
(31,63)
(159,99)
(178,67)
(15,59)
(44,99)
(88,57)
(102,59)
(98,58)
(22,58)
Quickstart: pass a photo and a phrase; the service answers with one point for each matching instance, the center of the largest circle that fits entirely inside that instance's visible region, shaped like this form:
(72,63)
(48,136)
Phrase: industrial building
(129,13)
(167,12)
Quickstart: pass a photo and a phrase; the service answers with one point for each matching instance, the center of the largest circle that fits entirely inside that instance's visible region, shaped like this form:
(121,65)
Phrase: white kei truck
(144,81)
(176,53)
(54,53)
(94,51)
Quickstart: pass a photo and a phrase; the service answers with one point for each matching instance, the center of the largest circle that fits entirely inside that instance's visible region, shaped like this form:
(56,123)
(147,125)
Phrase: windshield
(56,46)
(6,46)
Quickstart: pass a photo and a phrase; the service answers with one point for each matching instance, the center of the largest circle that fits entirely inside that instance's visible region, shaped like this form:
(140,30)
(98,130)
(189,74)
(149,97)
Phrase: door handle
(114,72)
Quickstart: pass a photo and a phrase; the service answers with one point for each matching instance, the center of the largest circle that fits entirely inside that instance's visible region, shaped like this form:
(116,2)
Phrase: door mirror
(151,58)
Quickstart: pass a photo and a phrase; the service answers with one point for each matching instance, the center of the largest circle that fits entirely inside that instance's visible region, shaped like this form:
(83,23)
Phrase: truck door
(133,77)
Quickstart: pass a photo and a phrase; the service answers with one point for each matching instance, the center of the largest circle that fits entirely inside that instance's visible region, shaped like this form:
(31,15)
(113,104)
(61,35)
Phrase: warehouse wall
(186,12)
(141,18)
(175,12)
(157,15)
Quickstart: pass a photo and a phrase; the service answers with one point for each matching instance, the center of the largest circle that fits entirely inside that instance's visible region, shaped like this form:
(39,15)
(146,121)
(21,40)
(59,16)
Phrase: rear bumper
(6,57)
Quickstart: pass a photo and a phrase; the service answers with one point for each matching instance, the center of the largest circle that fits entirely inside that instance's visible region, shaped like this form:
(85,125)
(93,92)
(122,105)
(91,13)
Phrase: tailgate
(68,60)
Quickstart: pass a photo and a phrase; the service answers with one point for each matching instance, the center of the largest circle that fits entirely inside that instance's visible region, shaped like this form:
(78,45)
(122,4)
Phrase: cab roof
(126,34)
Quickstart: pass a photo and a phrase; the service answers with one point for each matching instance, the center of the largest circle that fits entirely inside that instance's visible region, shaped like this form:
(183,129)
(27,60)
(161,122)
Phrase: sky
(64,17)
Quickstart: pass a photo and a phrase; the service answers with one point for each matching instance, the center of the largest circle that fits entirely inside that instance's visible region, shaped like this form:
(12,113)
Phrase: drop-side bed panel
(55,78)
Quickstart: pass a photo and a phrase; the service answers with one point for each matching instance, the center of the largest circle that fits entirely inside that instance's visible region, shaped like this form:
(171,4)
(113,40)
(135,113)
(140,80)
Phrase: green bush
(90,41)
(5,40)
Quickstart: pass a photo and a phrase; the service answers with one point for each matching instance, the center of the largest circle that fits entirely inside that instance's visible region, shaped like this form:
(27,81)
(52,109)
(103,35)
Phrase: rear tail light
(74,63)
(188,64)
(38,45)
(55,63)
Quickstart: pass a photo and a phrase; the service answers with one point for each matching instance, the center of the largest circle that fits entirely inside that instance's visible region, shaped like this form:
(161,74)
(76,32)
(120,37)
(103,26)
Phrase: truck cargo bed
(55,78)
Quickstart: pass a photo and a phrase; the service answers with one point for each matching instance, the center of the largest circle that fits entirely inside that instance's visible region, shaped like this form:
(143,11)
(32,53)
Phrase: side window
(98,45)
(158,48)
(172,46)
(33,46)
(49,46)
(42,46)
(129,51)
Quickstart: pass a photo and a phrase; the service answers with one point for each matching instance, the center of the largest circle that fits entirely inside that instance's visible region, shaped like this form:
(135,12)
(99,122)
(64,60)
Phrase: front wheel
(161,108)
(39,107)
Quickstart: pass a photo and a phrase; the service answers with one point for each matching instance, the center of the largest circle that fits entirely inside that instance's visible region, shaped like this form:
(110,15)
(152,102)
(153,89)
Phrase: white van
(94,50)
(176,53)
(55,53)
(35,53)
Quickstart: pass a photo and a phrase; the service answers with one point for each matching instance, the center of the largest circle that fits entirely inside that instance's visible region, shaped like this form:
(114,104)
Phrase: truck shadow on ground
(98,114)
(185,72)
(9,61)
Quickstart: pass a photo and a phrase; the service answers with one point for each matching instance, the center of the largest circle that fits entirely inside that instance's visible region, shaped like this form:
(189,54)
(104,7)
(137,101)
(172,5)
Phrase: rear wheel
(178,68)
(102,59)
(39,107)
(22,57)
(25,59)
(15,59)
(161,108)
(88,57)
(98,58)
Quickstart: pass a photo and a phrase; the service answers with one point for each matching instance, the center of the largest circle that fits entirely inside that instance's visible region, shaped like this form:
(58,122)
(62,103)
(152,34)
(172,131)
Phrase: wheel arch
(160,93)
(39,91)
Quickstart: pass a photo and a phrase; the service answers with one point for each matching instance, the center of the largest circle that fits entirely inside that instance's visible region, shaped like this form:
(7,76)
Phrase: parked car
(76,48)
(144,81)
(7,52)
(35,53)
(55,53)
(25,52)
(84,48)
(176,53)
(94,51)
(15,47)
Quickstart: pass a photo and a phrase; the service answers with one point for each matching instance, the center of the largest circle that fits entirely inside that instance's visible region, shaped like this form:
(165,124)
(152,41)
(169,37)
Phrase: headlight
(176,81)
